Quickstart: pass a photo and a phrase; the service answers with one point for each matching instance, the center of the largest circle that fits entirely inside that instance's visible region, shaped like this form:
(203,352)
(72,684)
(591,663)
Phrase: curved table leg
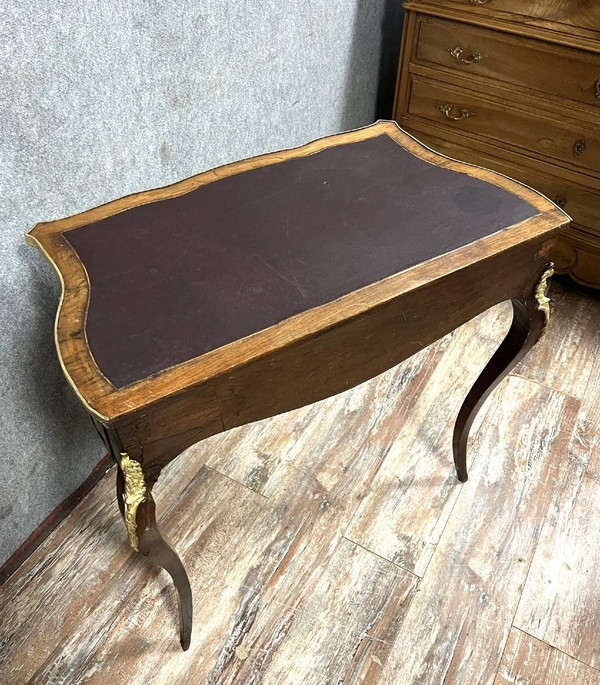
(139,511)
(530,317)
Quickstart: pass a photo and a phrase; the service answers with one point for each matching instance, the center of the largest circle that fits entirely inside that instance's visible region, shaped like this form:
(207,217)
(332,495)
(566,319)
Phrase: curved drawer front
(473,114)
(571,12)
(514,60)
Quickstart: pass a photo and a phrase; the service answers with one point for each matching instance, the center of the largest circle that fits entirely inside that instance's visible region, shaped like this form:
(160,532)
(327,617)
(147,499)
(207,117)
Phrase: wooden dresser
(513,85)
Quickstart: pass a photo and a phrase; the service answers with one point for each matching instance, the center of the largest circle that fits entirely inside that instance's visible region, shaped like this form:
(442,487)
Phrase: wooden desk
(277,281)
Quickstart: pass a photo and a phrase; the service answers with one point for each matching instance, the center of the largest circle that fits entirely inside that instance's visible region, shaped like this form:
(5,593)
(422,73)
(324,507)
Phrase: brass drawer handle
(578,147)
(479,2)
(463,112)
(597,88)
(474,57)
(560,200)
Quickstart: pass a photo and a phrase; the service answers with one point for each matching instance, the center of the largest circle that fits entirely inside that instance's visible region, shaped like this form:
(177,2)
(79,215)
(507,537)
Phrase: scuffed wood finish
(527,74)
(396,518)
(282,596)
(560,603)
(457,623)
(527,660)
(50,584)
(364,599)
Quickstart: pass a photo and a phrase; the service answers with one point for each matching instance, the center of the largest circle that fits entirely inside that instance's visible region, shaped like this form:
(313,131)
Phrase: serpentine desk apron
(277,281)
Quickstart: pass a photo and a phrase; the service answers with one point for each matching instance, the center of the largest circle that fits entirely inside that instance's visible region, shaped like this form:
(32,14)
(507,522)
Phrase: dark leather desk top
(174,279)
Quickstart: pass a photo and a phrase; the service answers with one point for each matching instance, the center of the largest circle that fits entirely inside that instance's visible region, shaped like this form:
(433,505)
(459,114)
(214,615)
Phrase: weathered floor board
(460,623)
(343,606)
(59,582)
(561,599)
(333,544)
(528,661)
(410,499)
(570,347)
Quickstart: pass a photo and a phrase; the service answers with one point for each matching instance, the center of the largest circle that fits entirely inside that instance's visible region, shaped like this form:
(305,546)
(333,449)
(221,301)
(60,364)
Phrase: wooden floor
(334,544)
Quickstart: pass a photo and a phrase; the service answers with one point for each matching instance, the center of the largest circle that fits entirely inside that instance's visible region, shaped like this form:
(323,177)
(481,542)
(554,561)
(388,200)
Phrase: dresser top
(173,275)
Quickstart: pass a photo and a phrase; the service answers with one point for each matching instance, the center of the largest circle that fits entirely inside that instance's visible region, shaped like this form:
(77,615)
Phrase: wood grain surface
(333,544)
(525,77)
(460,626)
(399,518)
(560,602)
(527,660)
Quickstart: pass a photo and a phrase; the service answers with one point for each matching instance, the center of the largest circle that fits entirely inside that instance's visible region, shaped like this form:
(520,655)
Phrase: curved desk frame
(313,353)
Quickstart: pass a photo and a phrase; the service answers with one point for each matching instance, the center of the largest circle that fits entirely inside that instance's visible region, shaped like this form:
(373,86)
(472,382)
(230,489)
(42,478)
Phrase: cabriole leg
(530,318)
(139,512)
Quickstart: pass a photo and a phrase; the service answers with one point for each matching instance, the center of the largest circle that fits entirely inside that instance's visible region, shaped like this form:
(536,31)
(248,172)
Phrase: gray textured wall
(101,99)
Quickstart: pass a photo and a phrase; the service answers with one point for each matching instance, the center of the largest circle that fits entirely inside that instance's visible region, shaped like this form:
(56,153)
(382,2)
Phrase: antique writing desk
(274,282)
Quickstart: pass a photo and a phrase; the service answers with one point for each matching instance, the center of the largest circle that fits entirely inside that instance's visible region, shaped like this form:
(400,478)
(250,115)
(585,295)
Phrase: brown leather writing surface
(174,279)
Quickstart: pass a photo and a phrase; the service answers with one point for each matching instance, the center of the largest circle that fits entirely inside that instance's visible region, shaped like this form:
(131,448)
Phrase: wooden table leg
(530,317)
(139,511)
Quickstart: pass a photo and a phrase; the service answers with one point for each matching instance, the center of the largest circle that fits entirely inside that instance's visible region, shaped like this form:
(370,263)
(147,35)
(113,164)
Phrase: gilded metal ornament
(463,112)
(543,301)
(457,53)
(133,495)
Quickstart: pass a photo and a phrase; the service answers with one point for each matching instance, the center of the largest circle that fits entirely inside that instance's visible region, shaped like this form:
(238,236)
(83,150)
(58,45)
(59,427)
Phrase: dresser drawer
(505,123)
(514,60)
(577,13)
(578,249)
(582,203)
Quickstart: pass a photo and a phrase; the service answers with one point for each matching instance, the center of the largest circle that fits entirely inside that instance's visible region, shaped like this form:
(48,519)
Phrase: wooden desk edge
(106,403)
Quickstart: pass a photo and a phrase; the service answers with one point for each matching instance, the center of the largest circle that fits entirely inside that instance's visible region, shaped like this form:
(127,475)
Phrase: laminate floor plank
(322,622)
(52,591)
(570,346)
(527,661)
(456,626)
(410,500)
(561,603)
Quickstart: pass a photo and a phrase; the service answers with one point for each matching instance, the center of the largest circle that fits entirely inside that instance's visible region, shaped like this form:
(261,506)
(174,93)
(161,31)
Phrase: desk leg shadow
(530,318)
(151,544)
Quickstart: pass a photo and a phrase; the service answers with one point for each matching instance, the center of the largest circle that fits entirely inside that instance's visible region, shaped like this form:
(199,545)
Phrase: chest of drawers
(513,85)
